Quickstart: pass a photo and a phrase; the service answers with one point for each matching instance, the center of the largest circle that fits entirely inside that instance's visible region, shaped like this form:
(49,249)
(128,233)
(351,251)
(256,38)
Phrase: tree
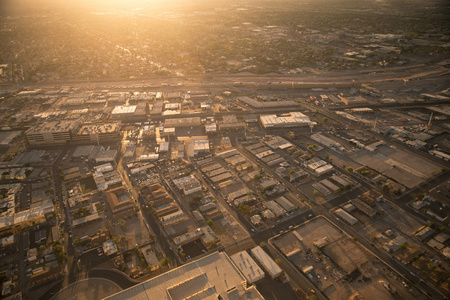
(315,192)
(211,245)
(210,223)
(403,247)
(59,251)
(122,223)
(198,197)
(291,172)
(165,261)
(420,197)
(243,208)
(350,169)
(262,244)
(81,212)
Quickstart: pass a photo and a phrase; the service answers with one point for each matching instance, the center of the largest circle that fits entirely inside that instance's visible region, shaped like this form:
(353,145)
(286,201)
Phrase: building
(231,122)
(182,122)
(248,266)
(266,262)
(266,104)
(97,133)
(226,142)
(201,145)
(210,277)
(120,203)
(51,133)
(353,100)
(121,112)
(345,216)
(292,119)
(211,128)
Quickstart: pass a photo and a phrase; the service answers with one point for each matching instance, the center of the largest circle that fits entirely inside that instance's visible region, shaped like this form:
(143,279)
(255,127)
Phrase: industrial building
(353,100)
(266,262)
(266,104)
(231,122)
(248,266)
(345,216)
(123,112)
(200,279)
(292,119)
(182,122)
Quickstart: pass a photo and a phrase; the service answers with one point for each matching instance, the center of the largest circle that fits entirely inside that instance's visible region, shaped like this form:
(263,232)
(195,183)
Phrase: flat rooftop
(120,109)
(55,126)
(98,128)
(200,279)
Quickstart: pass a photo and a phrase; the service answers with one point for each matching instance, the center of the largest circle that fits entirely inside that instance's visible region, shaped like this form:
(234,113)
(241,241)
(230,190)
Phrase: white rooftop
(120,109)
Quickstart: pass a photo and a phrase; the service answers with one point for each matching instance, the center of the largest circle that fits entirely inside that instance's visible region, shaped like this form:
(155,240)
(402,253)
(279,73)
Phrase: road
(152,224)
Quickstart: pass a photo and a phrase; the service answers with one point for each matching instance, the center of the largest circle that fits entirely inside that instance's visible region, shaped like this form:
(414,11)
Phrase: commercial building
(51,133)
(292,119)
(97,133)
(200,279)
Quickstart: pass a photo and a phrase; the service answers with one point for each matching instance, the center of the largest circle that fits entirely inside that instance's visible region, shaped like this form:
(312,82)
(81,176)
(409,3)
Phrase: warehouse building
(248,266)
(292,119)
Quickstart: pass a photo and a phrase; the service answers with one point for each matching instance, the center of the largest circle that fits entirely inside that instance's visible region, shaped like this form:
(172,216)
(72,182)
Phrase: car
(310,215)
